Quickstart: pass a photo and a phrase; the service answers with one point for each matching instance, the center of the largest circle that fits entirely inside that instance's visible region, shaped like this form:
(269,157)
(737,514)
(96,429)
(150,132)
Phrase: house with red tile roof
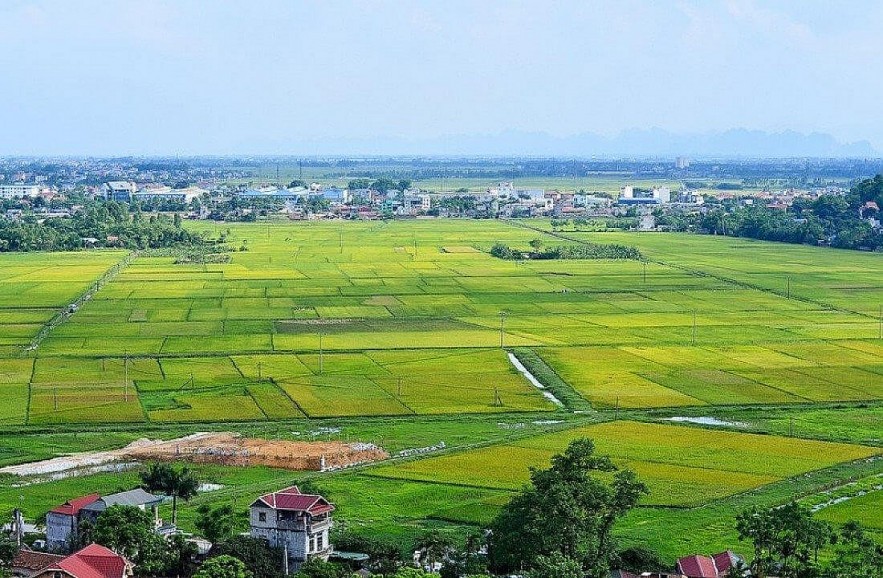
(296,522)
(93,561)
(62,522)
(715,566)
(26,562)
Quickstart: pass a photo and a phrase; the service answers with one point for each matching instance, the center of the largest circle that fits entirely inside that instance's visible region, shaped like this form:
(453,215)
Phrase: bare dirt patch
(215,448)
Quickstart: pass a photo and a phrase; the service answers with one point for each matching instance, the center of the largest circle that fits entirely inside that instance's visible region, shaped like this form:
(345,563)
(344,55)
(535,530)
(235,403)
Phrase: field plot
(682,466)
(35,286)
(699,324)
(663,376)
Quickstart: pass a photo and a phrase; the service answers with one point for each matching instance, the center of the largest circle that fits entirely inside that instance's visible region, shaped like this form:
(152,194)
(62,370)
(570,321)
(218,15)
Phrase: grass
(406,319)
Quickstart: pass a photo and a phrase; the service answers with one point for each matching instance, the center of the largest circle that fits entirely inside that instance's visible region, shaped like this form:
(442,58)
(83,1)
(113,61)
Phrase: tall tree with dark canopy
(565,510)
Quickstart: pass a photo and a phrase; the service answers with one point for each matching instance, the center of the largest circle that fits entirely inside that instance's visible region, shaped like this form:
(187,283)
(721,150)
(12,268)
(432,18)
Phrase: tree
(8,550)
(180,556)
(222,567)
(259,557)
(555,565)
(177,483)
(216,524)
(129,531)
(318,568)
(786,540)
(434,547)
(857,555)
(536,245)
(566,509)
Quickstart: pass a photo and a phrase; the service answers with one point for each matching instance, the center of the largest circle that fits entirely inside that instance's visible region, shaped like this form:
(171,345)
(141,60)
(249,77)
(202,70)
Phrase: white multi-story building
(15,191)
(296,522)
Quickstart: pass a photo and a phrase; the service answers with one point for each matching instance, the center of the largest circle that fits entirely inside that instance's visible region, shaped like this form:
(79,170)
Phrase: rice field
(682,466)
(408,318)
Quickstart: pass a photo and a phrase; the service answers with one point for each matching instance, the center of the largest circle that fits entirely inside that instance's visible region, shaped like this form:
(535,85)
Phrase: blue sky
(215,77)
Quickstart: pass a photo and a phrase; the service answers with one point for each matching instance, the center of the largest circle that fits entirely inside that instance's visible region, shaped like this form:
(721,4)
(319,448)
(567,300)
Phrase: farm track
(68,311)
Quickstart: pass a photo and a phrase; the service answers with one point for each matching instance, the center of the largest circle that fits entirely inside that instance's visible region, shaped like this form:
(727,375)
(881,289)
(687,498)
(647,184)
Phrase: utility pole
(791,427)
(616,410)
(260,371)
(55,397)
(645,272)
(788,289)
(881,321)
(320,353)
(399,389)
(693,340)
(126,376)
(502,323)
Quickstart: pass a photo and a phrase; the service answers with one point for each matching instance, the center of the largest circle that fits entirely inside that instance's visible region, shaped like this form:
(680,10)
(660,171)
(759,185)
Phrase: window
(319,542)
(262,516)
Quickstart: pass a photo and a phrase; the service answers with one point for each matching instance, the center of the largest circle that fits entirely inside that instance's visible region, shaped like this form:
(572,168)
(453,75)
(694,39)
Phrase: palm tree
(172,482)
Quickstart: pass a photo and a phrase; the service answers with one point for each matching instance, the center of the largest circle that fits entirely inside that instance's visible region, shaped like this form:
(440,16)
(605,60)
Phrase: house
(716,566)
(297,522)
(93,561)
(138,498)
(63,521)
(27,562)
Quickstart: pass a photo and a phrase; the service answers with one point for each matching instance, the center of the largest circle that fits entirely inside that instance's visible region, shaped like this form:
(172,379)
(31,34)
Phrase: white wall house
(299,523)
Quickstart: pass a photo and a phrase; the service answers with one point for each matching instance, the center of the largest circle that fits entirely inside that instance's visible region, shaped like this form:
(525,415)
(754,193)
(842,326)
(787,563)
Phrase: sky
(115,77)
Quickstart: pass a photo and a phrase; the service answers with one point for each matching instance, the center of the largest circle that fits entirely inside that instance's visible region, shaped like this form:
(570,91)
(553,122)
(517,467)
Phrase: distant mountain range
(631,143)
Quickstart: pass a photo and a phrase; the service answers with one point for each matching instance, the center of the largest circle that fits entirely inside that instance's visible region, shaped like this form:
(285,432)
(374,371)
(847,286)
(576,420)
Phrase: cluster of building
(296,522)
(720,565)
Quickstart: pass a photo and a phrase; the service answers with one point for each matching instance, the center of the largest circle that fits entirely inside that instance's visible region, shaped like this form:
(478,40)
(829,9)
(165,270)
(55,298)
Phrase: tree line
(834,220)
(108,224)
(581,251)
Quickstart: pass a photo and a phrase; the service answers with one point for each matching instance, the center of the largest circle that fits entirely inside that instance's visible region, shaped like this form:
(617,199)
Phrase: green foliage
(129,531)
(109,224)
(786,540)
(259,557)
(581,251)
(216,523)
(177,483)
(222,567)
(318,568)
(555,565)
(857,555)
(567,510)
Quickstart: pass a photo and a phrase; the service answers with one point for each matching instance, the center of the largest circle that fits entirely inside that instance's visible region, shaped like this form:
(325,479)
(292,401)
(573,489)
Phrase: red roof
(93,561)
(724,561)
(73,507)
(33,561)
(697,567)
(292,499)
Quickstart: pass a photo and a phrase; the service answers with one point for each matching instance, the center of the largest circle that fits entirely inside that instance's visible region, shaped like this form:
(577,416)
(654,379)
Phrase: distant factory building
(185,196)
(120,191)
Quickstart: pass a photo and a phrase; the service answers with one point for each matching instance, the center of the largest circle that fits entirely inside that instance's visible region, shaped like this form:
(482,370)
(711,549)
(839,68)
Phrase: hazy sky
(115,77)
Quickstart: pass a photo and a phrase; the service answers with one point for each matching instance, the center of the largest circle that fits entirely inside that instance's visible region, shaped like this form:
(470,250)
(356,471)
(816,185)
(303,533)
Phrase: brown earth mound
(231,449)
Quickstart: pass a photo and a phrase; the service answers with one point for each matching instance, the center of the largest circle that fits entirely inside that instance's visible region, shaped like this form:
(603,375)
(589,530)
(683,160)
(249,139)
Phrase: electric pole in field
(126,376)
(645,272)
(693,339)
(788,288)
(881,321)
(320,353)
(502,326)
